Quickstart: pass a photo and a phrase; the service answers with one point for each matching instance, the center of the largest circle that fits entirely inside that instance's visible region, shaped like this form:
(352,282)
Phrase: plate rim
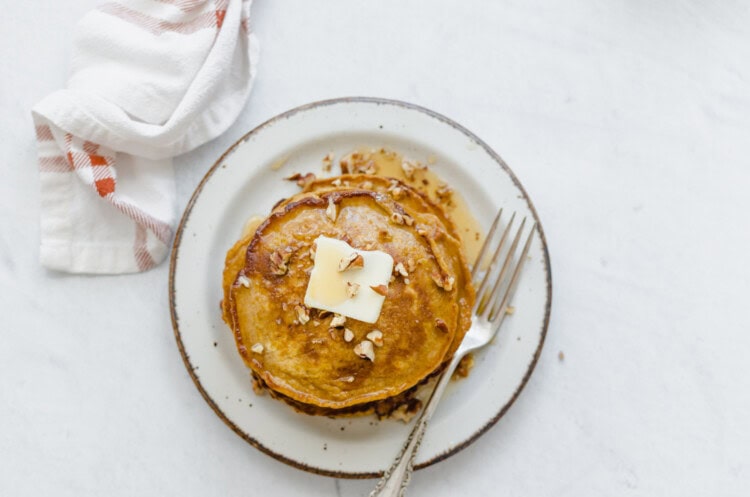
(186,215)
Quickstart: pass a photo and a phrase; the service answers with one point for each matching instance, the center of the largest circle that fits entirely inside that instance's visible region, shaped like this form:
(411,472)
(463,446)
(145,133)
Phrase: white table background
(628,123)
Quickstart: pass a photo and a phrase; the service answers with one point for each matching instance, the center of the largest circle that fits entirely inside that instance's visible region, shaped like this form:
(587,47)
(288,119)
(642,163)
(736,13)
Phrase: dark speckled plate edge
(175,254)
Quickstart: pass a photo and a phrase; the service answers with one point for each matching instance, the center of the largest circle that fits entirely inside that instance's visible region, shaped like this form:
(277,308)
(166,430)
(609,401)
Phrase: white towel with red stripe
(150,79)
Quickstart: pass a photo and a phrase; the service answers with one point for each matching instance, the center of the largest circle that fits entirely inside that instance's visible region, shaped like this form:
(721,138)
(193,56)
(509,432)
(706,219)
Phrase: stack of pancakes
(298,354)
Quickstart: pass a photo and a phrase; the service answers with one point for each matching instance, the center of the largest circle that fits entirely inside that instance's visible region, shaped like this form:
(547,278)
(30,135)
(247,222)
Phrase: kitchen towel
(149,80)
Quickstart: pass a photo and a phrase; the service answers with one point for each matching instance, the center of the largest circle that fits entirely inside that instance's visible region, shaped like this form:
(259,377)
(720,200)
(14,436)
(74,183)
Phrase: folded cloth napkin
(150,79)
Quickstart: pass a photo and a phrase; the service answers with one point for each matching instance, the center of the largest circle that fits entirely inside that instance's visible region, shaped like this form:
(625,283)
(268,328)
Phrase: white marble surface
(629,124)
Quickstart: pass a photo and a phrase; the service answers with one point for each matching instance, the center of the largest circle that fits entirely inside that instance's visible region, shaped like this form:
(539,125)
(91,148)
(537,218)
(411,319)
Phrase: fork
(493,293)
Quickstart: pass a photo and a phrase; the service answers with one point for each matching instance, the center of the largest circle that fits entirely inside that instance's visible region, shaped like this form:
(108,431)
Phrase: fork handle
(396,478)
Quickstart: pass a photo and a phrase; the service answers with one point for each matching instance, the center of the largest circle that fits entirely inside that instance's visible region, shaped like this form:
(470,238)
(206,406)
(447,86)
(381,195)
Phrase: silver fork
(494,292)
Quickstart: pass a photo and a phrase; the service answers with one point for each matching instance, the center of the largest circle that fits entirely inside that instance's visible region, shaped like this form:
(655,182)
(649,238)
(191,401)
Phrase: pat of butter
(327,288)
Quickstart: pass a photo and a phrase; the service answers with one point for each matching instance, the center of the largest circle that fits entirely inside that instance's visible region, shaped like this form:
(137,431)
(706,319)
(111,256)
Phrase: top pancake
(422,320)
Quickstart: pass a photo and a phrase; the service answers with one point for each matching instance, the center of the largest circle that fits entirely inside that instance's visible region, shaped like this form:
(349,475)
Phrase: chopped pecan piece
(338,321)
(327,162)
(303,316)
(331,210)
(408,168)
(441,325)
(380,289)
(280,261)
(302,179)
(411,265)
(243,280)
(444,282)
(351,261)
(443,191)
(376,337)
(400,269)
(369,168)
(352,289)
(365,350)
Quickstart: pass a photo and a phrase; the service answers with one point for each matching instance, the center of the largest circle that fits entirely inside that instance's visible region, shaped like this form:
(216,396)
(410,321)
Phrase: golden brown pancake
(308,364)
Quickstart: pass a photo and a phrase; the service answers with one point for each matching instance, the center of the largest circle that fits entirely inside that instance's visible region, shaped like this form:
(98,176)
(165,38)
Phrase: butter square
(327,288)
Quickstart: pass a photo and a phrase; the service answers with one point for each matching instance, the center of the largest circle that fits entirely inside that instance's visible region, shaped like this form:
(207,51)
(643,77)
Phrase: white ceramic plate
(243,182)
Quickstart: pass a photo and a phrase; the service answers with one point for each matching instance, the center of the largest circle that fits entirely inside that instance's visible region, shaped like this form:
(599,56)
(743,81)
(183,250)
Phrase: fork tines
(499,268)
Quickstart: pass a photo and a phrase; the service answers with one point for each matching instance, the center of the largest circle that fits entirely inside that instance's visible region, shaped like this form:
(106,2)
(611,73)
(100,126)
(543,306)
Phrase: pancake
(302,359)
